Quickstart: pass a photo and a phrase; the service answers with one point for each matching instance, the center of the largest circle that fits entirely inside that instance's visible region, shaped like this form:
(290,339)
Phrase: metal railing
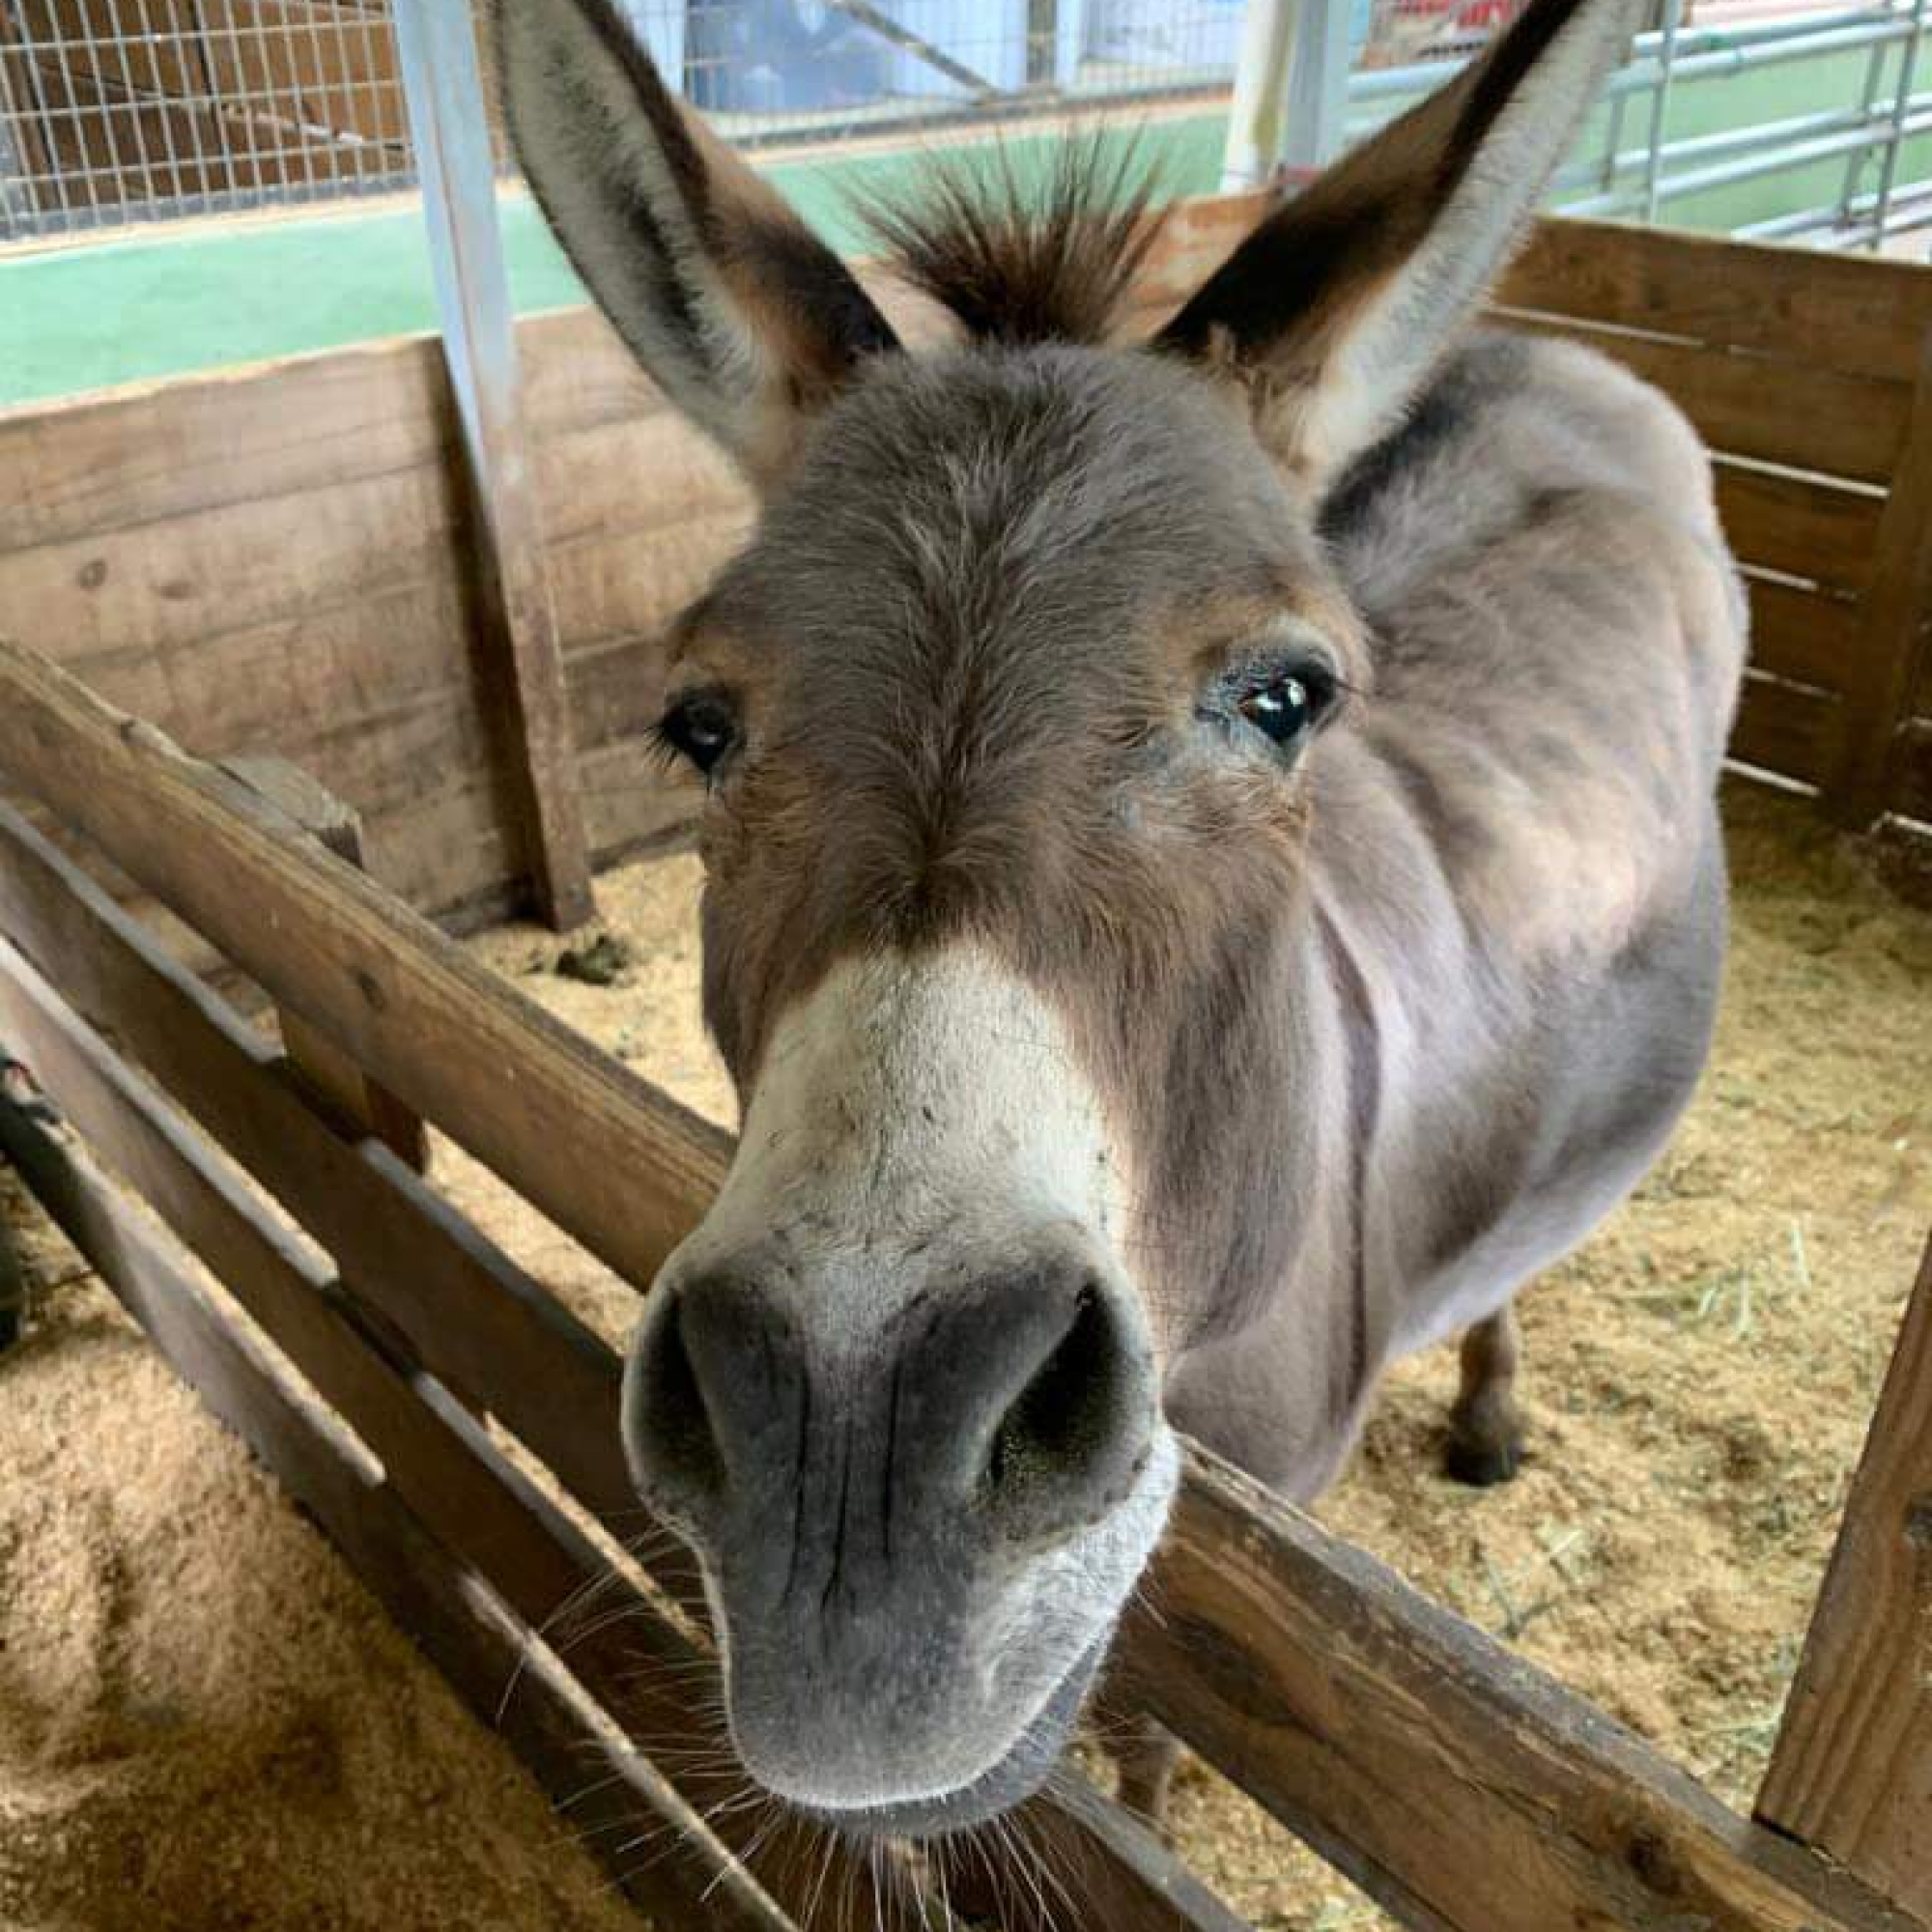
(1641,181)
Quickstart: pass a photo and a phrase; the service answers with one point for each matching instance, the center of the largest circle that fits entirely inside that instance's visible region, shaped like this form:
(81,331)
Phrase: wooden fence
(390,1347)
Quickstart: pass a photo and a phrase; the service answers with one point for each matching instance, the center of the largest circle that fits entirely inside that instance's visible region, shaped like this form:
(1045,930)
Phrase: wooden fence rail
(1461,1787)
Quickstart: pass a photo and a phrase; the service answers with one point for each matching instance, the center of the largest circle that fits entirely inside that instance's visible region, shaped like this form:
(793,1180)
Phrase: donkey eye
(1282,708)
(702,728)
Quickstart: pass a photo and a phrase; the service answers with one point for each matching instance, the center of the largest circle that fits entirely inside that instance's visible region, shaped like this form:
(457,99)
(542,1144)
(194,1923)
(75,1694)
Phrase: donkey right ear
(747,322)
(1335,307)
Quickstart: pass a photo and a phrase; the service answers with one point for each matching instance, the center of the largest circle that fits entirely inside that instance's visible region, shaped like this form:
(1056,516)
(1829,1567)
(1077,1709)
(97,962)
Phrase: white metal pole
(1317,85)
(1255,131)
(1659,108)
(449,133)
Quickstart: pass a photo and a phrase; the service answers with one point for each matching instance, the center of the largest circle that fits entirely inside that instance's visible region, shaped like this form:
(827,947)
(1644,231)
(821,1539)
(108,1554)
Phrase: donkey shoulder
(1507,423)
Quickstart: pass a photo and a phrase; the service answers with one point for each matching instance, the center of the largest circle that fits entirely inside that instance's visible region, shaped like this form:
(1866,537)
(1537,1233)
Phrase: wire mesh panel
(114,111)
(127,110)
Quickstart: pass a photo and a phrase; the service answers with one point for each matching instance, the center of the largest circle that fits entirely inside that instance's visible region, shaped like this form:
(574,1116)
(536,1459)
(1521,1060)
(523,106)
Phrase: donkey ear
(746,320)
(1335,309)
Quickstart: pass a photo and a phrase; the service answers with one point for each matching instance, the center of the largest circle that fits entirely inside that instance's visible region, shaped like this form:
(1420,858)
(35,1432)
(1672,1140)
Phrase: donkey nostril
(1057,1408)
(1069,1445)
(674,1436)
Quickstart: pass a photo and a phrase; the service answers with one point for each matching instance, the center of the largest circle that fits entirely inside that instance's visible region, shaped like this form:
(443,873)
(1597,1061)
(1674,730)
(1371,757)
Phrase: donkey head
(1012,719)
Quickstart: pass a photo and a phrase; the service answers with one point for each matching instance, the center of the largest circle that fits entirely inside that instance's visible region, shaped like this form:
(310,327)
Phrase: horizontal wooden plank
(1912,785)
(1804,636)
(1804,414)
(159,587)
(345,1094)
(1799,525)
(1452,1779)
(451,1477)
(629,803)
(620,583)
(450,851)
(604,1154)
(1854,313)
(466,1311)
(1787,728)
(617,694)
(145,454)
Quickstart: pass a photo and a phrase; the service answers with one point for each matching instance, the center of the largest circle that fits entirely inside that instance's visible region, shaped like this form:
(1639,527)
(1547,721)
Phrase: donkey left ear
(745,318)
(1335,309)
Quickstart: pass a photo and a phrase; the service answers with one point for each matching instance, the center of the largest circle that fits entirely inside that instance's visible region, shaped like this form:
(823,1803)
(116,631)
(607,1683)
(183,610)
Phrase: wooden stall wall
(276,559)
(1808,377)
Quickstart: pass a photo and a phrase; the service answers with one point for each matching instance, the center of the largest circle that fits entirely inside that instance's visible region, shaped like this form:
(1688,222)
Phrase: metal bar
(1767,136)
(1660,107)
(443,85)
(1801,221)
(1785,155)
(1317,85)
(1868,106)
(1901,108)
(917,45)
(19,203)
(1255,131)
(1606,172)
(72,92)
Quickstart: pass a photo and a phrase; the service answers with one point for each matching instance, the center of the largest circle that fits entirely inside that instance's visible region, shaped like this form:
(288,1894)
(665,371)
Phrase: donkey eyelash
(662,756)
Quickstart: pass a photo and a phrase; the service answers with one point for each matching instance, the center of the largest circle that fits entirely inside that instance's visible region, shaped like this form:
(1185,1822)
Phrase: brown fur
(1019,264)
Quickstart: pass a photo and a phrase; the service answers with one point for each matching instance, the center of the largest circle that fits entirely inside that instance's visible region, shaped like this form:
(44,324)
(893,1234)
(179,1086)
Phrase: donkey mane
(1019,261)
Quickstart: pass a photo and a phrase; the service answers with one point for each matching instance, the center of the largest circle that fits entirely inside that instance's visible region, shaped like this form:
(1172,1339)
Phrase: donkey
(1212,875)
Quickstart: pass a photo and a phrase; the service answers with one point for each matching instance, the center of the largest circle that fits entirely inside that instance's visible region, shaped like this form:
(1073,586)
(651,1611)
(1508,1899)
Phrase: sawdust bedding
(206,1724)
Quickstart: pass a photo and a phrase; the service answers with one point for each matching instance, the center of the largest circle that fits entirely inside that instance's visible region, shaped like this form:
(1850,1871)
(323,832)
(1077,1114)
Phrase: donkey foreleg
(1485,1443)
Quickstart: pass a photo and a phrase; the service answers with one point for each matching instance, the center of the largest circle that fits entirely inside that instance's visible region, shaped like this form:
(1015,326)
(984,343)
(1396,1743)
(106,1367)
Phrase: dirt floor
(205,1723)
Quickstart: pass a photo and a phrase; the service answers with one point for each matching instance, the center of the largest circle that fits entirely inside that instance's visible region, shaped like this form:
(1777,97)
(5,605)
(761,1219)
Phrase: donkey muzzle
(902,1521)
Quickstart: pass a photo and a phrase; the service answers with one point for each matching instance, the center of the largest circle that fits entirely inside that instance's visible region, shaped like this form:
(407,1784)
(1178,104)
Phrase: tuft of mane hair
(1020,262)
